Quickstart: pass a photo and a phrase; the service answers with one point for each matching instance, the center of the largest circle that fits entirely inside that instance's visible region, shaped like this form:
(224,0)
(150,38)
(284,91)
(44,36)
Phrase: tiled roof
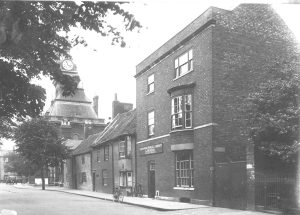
(72,144)
(85,145)
(122,124)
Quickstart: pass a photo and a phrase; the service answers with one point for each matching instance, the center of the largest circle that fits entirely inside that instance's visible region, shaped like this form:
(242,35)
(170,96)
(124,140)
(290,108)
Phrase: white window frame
(184,64)
(182,112)
(98,155)
(104,177)
(106,153)
(150,84)
(151,121)
(184,170)
(125,179)
(122,149)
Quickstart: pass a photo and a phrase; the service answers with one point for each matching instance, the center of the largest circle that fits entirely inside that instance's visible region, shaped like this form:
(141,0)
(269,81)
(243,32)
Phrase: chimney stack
(120,107)
(95,104)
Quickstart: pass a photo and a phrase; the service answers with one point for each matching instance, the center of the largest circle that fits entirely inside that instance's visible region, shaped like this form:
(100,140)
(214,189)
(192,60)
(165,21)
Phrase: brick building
(190,143)
(75,116)
(113,155)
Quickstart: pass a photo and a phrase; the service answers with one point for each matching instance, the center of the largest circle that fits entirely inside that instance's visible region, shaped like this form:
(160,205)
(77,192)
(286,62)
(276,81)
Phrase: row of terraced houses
(184,140)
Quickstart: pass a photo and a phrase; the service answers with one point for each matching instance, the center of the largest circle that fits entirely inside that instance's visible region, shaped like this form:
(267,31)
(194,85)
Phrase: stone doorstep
(177,199)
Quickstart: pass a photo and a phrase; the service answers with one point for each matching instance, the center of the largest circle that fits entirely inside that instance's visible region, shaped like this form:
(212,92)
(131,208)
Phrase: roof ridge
(106,129)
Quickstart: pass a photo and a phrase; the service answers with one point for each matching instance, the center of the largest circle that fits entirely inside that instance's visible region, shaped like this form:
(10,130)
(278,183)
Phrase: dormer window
(184,64)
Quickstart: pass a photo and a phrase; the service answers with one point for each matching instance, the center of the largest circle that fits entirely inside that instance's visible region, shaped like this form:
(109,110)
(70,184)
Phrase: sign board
(153,149)
(219,149)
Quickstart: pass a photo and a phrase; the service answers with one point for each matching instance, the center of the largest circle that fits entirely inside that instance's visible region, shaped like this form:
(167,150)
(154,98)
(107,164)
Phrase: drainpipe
(135,161)
(113,169)
(213,172)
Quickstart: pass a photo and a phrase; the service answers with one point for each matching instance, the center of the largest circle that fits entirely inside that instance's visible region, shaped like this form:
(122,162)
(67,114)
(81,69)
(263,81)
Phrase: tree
(19,164)
(33,40)
(273,112)
(38,141)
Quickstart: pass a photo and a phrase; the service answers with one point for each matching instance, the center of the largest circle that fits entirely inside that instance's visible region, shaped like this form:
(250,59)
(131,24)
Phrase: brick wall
(83,167)
(119,165)
(98,167)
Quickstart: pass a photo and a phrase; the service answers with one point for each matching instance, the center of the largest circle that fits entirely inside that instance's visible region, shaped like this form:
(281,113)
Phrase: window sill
(149,93)
(184,188)
(179,130)
(150,136)
(182,75)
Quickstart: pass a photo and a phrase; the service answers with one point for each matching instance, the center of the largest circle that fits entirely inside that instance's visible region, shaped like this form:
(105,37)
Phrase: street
(39,202)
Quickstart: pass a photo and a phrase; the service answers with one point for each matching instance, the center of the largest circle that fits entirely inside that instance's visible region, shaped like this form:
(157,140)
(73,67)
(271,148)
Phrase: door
(94,181)
(231,185)
(151,179)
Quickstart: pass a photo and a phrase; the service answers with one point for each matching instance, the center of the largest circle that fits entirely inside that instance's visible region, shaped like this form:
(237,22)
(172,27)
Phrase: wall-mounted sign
(158,148)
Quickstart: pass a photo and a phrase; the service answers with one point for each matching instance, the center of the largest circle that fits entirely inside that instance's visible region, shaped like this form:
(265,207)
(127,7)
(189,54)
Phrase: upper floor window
(184,64)
(182,112)
(122,149)
(98,155)
(151,123)
(106,153)
(150,84)
(82,159)
(125,148)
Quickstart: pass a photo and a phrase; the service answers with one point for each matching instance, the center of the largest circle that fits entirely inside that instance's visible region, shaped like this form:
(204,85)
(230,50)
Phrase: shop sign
(153,149)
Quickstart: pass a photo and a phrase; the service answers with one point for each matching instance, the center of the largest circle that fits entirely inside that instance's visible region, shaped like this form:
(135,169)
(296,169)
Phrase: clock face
(67,64)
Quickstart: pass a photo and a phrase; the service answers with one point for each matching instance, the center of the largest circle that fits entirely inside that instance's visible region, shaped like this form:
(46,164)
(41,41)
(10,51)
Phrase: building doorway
(94,181)
(151,179)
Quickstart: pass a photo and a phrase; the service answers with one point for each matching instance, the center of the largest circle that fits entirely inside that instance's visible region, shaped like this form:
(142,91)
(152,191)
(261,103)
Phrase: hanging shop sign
(153,149)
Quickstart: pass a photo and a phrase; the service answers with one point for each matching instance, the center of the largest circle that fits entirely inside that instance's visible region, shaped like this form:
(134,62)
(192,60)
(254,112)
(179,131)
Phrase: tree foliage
(38,141)
(19,164)
(34,38)
(273,112)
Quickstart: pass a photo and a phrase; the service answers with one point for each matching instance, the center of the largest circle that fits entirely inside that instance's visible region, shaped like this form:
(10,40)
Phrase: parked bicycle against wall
(138,190)
(118,195)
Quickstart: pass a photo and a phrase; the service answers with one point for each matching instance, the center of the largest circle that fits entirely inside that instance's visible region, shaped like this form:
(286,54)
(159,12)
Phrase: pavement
(156,204)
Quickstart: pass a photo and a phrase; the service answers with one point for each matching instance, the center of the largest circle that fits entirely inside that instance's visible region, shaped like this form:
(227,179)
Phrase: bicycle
(138,191)
(118,195)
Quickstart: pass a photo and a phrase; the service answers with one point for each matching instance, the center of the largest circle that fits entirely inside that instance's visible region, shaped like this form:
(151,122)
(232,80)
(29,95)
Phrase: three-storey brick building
(190,143)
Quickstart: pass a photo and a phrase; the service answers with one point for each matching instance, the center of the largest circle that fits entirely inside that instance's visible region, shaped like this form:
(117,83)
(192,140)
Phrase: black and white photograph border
(149,107)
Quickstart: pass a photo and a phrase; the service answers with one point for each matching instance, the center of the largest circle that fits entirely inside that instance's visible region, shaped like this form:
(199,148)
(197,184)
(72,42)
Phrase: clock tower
(73,115)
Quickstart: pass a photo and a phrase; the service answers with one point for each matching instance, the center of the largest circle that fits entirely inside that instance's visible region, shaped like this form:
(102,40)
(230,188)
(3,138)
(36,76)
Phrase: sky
(105,69)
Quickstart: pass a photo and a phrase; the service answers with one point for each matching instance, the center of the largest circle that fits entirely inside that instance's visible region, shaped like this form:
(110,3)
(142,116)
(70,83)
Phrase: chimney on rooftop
(95,104)
(120,107)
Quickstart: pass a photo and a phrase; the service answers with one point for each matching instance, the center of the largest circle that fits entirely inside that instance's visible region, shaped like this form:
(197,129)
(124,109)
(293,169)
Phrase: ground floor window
(104,177)
(83,177)
(125,179)
(184,169)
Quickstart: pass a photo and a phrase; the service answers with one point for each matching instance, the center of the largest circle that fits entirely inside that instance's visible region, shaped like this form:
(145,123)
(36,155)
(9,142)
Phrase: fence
(277,192)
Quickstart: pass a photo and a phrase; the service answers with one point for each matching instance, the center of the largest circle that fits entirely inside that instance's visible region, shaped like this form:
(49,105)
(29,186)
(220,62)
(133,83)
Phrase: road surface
(46,202)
